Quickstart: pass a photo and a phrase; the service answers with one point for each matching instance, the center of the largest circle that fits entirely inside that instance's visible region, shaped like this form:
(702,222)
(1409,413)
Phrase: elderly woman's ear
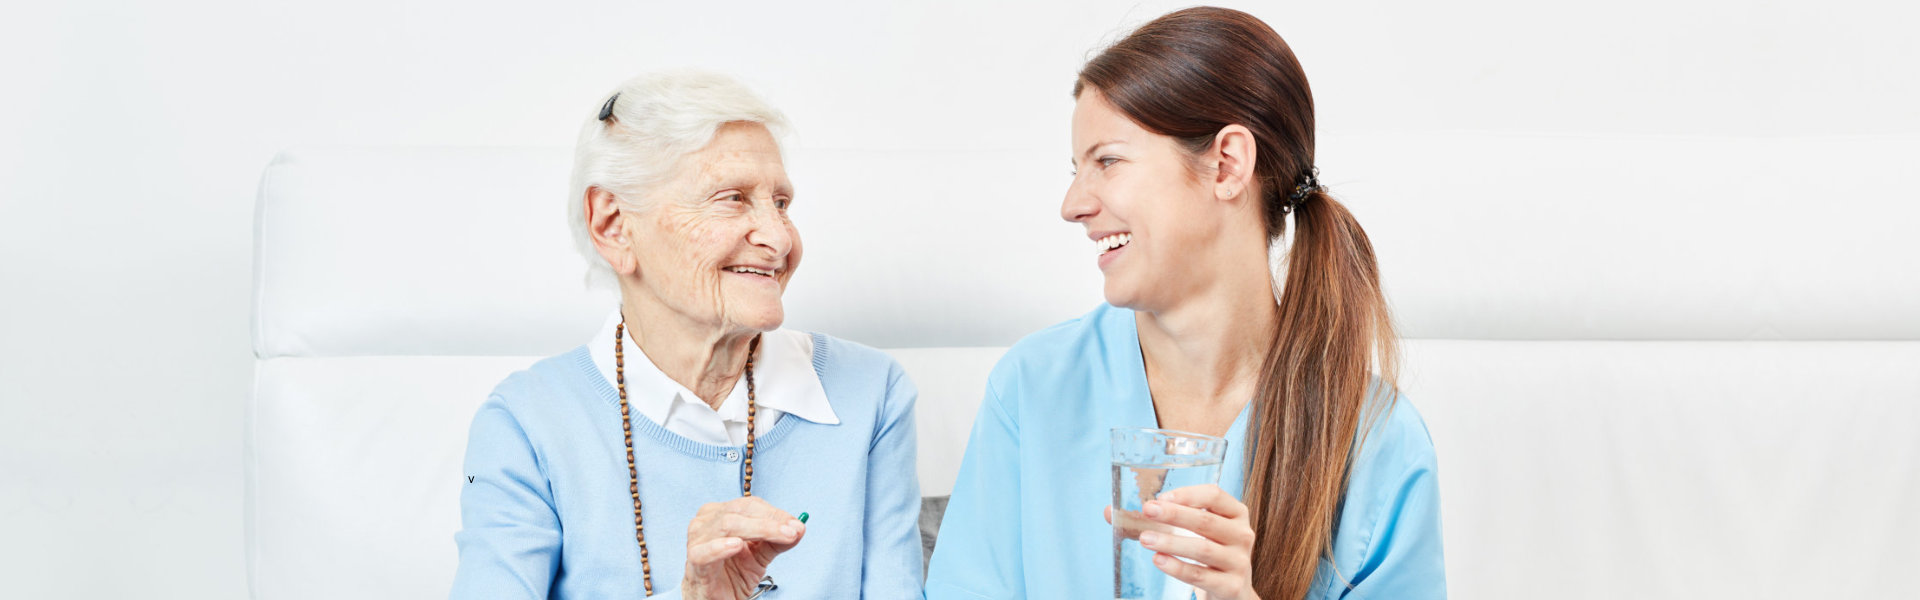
(608,231)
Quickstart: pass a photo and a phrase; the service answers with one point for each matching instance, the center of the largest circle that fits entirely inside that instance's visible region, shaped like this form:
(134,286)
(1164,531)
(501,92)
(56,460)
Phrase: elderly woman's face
(716,245)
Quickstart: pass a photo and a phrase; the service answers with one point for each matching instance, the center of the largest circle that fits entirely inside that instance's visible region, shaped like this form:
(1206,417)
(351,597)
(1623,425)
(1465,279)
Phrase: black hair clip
(606,112)
(1308,184)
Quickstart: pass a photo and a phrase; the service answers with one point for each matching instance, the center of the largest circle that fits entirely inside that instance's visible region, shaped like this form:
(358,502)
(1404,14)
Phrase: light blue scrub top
(1026,519)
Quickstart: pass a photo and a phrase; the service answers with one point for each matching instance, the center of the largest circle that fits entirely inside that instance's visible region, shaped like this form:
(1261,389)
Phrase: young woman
(1242,302)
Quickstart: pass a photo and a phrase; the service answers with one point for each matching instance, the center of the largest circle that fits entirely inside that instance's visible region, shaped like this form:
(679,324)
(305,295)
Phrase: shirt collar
(784,378)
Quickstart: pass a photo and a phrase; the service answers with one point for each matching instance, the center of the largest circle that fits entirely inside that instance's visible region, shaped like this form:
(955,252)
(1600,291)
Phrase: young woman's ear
(1233,154)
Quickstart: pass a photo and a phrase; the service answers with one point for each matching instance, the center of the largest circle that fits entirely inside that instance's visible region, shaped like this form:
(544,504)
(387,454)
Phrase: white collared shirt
(784,383)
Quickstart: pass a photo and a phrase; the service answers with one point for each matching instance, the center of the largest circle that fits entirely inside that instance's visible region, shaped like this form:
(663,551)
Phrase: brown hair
(1187,75)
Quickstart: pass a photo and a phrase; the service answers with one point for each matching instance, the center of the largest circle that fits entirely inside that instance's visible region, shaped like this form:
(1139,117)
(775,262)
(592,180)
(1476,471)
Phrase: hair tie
(1306,186)
(606,111)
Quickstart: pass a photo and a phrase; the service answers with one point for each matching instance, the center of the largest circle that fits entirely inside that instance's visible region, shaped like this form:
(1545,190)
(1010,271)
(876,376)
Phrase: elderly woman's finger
(765,551)
(757,528)
(713,551)
(752,506)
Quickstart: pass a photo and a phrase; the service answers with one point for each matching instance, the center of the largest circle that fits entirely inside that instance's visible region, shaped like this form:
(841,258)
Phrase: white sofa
(1653,367)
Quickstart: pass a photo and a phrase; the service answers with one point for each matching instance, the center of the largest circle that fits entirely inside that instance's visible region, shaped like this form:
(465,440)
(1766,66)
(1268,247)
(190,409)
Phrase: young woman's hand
(730,544)
(1224,548)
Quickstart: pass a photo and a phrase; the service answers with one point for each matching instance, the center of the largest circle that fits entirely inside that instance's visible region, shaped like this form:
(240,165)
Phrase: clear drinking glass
(1147,462)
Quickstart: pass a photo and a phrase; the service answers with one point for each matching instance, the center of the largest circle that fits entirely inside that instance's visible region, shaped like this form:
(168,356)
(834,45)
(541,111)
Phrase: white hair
(657,119)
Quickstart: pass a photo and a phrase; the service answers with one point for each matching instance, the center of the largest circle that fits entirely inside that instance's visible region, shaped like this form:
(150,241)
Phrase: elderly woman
(671,453)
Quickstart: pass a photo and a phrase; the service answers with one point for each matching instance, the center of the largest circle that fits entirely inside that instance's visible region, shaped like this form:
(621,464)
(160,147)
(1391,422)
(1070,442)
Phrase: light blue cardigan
(546,510)
(1025,518)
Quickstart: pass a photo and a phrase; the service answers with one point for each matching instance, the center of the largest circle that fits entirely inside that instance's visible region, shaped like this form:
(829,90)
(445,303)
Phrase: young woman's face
(1150,217)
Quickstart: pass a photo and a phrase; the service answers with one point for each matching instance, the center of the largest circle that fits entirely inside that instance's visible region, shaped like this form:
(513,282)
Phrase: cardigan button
(733,456)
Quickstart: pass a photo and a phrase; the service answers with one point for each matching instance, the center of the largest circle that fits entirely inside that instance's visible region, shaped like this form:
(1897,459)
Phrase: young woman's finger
(1206,524)
(1201,550)
(1208,497)
(1214,581)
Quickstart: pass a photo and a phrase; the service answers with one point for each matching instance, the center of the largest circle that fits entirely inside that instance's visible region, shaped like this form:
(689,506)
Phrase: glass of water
(1147,462)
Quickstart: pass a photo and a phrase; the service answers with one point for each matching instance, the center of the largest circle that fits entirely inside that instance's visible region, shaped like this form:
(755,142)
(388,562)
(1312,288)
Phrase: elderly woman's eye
(782,203)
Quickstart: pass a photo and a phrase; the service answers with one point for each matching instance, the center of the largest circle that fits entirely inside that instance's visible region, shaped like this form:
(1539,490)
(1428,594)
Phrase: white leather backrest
(1674,470)
(1582,455)
(1480,236)
(1485,236)
(404,250)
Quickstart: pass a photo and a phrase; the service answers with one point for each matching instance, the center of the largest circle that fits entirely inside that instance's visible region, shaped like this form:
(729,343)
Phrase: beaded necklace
(633,472)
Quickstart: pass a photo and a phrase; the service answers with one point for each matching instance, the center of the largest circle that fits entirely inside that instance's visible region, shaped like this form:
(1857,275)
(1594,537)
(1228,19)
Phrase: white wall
(134,133)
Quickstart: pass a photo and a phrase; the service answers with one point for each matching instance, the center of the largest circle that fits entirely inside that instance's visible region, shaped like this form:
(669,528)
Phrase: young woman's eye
(1108,161)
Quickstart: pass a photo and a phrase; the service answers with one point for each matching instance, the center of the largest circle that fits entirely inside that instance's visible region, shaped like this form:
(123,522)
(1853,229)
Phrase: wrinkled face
(1148,215)
(715,244)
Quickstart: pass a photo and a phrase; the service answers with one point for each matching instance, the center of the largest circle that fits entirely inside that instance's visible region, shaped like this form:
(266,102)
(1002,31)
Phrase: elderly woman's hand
(1224,547)
(730,544)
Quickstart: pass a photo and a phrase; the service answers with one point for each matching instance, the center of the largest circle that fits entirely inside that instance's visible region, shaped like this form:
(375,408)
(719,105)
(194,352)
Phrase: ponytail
(1312,399)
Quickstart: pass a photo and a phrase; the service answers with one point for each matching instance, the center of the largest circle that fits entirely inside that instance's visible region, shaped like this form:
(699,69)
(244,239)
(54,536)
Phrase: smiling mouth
(1113,242)
(752,271)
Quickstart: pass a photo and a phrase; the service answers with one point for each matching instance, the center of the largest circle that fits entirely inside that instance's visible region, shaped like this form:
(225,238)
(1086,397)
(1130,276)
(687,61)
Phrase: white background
(134,134)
